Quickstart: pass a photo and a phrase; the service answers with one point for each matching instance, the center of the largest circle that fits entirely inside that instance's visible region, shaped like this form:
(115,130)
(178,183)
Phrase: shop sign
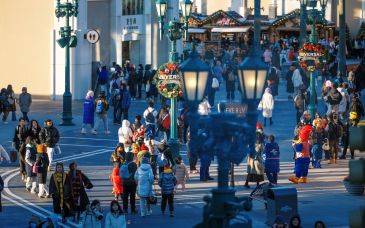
(132,24)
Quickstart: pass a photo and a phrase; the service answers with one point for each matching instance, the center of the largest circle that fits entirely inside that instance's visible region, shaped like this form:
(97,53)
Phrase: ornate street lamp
(303,21)
(186,8)
(67,41)
(161,6)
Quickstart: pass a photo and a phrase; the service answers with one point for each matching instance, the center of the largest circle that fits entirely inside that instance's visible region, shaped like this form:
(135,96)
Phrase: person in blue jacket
(272,160)
(88,112)
(124,102)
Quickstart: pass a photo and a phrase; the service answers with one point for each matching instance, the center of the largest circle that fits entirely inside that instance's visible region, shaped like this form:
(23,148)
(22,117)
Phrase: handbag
(152,199)
(35,168)
(326,145)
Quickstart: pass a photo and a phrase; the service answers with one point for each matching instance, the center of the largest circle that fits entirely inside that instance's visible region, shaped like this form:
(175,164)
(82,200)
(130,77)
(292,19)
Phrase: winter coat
(117,181)
(11,100)
(132,168)
(30,159)
(34,134)
(42,163)
(57,195)
(334,131)
(255,163)
(25,100)
(272,157)
(144,177)
(167,182)
(334,97)
(90,220)
(297,78)
(180,172)
(105,105)
(88,111)
(125,99)
(267,104)
(125,133)
(49,136)
(356,106)
(20,134)
(112,221)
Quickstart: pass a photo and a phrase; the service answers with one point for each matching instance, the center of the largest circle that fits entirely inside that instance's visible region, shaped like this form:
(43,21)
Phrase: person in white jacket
(115,218)
(125,134)
(267,105)
(204,107)
(297,80)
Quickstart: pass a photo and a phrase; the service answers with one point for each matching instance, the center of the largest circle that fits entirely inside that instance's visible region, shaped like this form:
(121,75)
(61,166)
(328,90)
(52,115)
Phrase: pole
(257,28)
(67,96)
(313,39)
(303,24)
(342,41)
(173,142)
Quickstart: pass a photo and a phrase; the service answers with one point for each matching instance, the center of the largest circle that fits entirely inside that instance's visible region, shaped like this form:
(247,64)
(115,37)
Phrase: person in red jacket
(117,182)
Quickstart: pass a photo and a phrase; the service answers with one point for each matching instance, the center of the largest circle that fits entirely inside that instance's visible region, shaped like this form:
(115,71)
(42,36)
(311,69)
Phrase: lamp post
(303,21)
(67,41)
(342,40)
(228,145)
(175,29)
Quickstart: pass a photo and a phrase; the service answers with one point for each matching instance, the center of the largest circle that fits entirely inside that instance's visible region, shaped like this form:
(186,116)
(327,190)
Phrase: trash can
(281,201)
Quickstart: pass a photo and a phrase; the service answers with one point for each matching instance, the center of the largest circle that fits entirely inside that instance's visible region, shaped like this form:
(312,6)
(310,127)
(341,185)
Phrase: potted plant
(352,188)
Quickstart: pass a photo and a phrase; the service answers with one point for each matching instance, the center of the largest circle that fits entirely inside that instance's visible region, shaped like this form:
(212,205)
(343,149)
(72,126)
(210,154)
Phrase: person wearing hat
(101,110)
(143,153)
(167,182)
(144,178)
(49,136)
(41,168)
(88,111)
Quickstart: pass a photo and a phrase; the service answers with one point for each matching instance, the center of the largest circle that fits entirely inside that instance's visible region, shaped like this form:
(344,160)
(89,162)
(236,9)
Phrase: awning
(196,30)
(231,29)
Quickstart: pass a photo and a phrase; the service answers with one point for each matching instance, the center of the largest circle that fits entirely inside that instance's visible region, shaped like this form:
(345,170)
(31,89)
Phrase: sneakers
(94,132)
(83,131)
(107,132)
(33,192)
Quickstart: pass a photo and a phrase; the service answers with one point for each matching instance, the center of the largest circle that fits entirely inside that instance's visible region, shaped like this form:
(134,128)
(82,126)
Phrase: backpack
(215,83)
(99,107)
(124,171)
(150,118)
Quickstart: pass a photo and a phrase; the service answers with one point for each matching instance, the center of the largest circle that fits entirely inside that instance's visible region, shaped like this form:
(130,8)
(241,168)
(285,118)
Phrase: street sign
(236,108)
(92,36)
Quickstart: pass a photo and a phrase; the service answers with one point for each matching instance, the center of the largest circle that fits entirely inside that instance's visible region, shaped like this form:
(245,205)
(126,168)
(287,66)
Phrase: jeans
(145,207)
(151,128)
(101,118)
(167,199)
(129,191)
(25,116)
(13,116)
(272,177)
(139,87)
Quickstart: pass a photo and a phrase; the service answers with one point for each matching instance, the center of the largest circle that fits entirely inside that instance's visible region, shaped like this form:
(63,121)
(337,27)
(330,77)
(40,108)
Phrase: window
(132,7)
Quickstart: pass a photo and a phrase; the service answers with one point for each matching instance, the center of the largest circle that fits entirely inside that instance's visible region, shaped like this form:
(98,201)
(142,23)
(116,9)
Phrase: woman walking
(12,102)
(88,112)
(42,168)
(30,160)
(272,162)
(267,105)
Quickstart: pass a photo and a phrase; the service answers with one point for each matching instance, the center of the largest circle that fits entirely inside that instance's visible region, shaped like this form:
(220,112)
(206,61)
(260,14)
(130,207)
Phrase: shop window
(132,7)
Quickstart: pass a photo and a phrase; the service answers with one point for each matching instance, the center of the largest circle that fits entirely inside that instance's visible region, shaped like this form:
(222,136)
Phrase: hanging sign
(168,80)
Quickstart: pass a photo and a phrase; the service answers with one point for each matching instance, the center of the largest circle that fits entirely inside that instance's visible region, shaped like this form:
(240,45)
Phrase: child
(117,182)
(93,215)
(272,160)
(115,218)
(167,182)
(181,173)
(317,139)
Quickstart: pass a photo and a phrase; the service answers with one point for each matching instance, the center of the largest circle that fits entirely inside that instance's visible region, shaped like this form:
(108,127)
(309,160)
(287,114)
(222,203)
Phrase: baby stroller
(259,194)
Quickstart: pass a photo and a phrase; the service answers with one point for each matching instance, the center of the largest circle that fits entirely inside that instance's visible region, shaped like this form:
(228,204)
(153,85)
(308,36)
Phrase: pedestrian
(204,107)
(115,218)
(205,161)
(273,81)
(93,216)
(25,101)
(79,182)
(255,163)
(1,189)
(139,80)
(279,222)
(118,155)
(49,136)
(213,89)
(317,140)
(103,78)
(30,160)
(153,150)
(127,172)
(356,110)
(334,132)
(117,182)
(144,177)
(41,169)
(5,106)
(230,83)
(20,135)
(181,173)
(267,105)
(88,112)
(300,101)
(167,182)
(150,117)
(137,123)
(302,155)
(163,122)
(60,190)
(333,99)
(267,55)
(101,110)
(125,134)
(297,80)
(124,103)
(272,160)
(319,224)
(295,222)
(34,130)
(344,104)
(12,101)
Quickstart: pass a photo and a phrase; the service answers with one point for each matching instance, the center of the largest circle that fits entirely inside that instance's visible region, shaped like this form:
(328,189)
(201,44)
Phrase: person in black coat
(20,134)
(42,164)
(79,182)
(34,130)
(49,136)
(139,79)
(60,190)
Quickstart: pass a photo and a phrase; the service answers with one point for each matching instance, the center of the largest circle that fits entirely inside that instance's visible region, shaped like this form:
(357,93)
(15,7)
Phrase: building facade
(31,56)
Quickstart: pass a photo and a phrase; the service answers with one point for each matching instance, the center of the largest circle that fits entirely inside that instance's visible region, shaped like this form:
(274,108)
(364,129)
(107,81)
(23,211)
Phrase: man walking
(150,116)
(25,101)
(49,136)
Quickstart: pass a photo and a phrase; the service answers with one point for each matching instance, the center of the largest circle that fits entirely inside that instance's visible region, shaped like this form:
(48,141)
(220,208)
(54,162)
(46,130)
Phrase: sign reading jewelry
(168,80)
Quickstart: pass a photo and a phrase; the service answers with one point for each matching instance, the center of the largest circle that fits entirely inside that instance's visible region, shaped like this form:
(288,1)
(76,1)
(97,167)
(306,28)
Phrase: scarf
(59,181)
